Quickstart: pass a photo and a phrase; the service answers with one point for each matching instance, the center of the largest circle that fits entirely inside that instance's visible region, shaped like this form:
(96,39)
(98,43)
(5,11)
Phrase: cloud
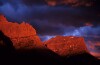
(88,32)
(85,31)
(95,54)
(52,2)
(24,2)
(71,2)
(93,46)
(33,2)
(37,10)
(51,20)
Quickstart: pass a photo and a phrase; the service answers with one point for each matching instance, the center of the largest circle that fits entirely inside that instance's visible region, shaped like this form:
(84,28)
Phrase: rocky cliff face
(2,18)
(66,45)
(22,35)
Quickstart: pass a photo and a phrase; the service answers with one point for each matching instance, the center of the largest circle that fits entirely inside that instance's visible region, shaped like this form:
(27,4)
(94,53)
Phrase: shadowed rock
(8,55)
(5,43)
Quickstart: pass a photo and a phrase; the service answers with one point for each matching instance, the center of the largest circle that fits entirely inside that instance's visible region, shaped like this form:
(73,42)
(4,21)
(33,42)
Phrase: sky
(56,17)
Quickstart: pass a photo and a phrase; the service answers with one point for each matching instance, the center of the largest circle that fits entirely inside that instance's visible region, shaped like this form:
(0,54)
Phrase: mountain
(22,35)
(61,50)
(2,18)
(67,45)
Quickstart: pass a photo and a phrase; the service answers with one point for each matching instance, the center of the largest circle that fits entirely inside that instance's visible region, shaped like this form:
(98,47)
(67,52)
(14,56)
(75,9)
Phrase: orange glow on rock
(2,18)
(67,45)
(22,35)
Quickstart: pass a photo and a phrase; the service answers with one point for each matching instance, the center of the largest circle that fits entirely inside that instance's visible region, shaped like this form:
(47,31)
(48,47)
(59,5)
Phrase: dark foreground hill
(10,56)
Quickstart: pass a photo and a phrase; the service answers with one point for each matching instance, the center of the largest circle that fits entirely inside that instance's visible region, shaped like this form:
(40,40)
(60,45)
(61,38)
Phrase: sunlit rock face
(67,45)
(2,18)
(22,35)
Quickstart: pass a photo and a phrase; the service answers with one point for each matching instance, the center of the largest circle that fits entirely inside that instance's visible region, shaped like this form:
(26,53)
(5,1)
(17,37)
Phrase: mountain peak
(67,45)
(3,18)
(22,35)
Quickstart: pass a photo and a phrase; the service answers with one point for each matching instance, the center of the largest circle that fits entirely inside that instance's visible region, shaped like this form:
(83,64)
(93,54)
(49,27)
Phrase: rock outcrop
(2,18)
(67,45)
(22,35)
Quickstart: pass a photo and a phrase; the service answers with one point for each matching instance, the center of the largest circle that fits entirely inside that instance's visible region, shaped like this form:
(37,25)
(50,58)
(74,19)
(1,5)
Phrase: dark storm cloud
(33,2)
(1,3)
(51,20)
(25,2)
(53,2)
(72,2)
